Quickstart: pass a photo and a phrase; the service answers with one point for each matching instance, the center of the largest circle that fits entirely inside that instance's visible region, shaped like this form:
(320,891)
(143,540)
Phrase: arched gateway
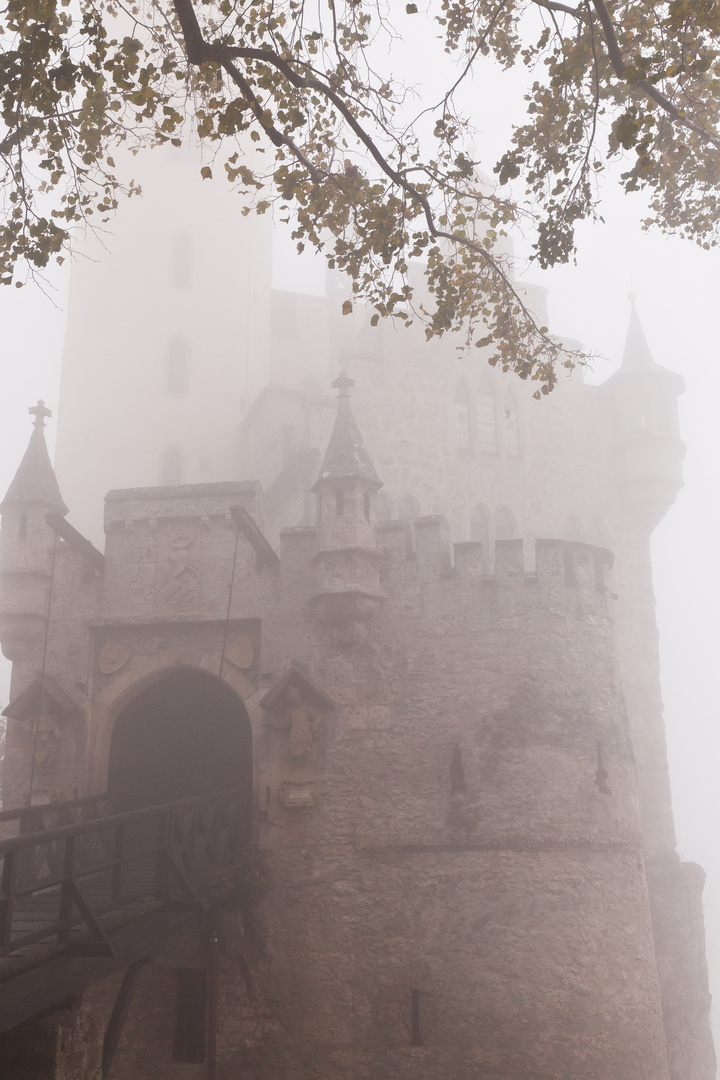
(186,734)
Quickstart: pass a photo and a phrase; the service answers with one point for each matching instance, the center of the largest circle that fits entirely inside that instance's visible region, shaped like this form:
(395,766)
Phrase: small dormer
(649,451)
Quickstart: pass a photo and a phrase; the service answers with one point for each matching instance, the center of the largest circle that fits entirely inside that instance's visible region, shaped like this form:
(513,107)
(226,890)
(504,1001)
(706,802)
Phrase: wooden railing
(53,815)
(56,884)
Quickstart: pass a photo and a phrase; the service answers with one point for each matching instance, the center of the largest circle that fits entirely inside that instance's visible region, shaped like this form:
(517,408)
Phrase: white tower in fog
(167,337)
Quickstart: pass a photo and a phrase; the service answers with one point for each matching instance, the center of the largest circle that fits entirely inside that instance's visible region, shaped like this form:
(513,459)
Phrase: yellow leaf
(206,172)
(347,307)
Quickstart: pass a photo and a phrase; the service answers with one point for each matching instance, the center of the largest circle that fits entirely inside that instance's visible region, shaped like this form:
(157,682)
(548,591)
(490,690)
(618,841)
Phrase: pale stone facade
(447,720)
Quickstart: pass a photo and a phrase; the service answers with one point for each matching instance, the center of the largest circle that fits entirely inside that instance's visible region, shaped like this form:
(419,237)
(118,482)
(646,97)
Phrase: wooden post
(7,897)
(119,1014)
(212,1006)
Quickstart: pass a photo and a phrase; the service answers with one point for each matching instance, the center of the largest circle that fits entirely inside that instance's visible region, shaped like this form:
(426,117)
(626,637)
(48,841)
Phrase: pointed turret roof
(346,454)
(637,355)
(35,481)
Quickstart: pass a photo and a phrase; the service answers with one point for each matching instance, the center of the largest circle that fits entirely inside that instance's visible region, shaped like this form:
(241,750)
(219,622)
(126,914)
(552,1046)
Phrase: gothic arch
(409,508)
(183,734)
(135,677)
(505,524)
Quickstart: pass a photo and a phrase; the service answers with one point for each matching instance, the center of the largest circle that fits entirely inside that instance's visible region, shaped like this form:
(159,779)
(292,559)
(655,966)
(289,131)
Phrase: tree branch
(619,67)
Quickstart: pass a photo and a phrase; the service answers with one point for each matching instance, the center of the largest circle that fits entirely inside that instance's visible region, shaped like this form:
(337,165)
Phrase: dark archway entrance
(187,734)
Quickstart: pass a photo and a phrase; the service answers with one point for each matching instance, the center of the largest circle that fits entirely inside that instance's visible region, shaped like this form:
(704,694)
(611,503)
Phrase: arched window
(462,419)
(409,508)
(383,507)
(574,530)
(172,467)
(511,426)
(486,421)
(480,527)
(181,269)
(176,366)
(505,524)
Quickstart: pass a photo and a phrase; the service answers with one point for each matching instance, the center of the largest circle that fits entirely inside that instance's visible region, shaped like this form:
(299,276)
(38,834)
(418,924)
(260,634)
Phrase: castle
(415,634)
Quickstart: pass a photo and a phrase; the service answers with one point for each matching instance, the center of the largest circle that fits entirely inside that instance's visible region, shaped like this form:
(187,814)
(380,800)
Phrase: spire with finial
(649,452)
(34,481)
(637,355)
(346,455)
(347,561)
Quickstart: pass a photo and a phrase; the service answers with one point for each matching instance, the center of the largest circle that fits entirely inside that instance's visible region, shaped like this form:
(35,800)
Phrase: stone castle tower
(414,633)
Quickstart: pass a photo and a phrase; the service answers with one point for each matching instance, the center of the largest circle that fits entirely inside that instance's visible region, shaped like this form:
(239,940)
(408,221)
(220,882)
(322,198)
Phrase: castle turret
(348,558)
(648,445)
(26,544)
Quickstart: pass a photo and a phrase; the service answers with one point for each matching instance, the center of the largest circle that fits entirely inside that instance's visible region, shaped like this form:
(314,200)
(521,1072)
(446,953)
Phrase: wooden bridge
(85,892)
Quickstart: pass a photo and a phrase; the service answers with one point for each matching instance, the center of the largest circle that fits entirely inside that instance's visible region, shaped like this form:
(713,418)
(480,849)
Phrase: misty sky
(678,287)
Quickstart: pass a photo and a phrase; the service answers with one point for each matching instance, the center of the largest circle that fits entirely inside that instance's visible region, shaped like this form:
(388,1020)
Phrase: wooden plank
(119,1014)
(47,984)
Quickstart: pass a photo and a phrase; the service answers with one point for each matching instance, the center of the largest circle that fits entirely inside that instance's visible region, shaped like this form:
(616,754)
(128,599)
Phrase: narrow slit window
(457,773)
(190,1006)
(366,505)
(339,502)
(415,1033)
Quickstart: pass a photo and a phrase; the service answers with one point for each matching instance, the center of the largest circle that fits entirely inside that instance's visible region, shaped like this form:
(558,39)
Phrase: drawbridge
(86,892)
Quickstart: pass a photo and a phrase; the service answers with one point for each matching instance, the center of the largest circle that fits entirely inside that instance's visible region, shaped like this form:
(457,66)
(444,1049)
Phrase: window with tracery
(462,419)
(511,426)
(486,422)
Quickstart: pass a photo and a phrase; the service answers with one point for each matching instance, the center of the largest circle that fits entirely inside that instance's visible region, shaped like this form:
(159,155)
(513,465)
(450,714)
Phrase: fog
(677,285)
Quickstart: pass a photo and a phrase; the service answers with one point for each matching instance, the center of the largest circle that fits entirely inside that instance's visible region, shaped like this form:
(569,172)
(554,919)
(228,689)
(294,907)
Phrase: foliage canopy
(366,180)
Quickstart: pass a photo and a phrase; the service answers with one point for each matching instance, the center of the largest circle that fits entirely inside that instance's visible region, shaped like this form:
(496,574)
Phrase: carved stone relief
(179,566)
(240,651)
(297,708)
(113,656)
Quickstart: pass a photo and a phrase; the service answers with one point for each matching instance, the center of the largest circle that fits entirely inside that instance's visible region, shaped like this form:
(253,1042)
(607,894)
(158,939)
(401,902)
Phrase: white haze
(678,286)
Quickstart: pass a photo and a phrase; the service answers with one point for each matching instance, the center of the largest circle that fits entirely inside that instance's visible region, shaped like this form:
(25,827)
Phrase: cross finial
(39,411)
(343,384)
